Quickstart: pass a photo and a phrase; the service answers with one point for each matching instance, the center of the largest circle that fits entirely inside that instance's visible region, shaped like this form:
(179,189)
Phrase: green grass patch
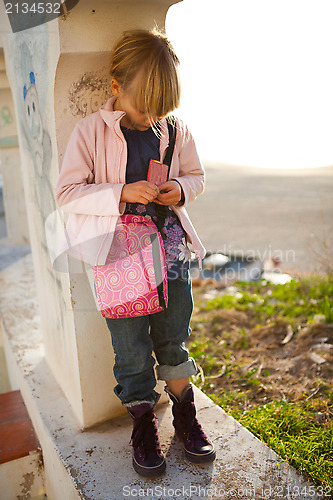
(300,435)
(296,435)
(239,356)
(302,298)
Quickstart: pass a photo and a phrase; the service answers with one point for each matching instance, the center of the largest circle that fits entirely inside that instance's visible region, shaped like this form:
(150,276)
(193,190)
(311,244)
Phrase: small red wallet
(157,172)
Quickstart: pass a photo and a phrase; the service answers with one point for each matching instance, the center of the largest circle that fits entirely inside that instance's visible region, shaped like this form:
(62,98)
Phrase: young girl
(103,176)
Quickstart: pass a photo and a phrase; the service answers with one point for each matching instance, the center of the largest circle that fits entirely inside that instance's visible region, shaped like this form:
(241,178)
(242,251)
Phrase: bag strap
(161,210)
(172,140)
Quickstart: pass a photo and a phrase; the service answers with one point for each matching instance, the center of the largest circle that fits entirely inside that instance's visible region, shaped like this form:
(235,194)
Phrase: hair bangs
(156,91)
(146,65)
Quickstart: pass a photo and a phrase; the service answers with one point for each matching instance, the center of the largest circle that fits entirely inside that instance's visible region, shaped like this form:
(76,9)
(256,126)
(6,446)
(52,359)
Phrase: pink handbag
(133,280)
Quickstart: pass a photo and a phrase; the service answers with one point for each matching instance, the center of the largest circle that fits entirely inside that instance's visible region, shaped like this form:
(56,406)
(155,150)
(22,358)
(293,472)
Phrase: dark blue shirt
(141,148)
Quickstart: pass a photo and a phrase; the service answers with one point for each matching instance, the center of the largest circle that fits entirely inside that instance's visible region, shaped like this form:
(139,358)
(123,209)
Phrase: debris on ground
(239,354)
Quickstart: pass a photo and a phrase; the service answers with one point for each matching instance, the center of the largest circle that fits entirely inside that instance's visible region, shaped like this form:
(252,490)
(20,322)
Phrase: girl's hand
(139,192)
(170,193)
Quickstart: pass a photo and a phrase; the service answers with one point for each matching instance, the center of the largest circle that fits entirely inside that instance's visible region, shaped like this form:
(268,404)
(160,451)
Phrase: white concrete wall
(10,165)
(58,74)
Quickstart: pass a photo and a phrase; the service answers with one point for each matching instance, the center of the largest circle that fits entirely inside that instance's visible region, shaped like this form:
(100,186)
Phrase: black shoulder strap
(172,139)
(161,210)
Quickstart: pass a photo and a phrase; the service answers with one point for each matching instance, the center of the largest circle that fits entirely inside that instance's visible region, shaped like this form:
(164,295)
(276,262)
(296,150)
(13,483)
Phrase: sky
(257,79)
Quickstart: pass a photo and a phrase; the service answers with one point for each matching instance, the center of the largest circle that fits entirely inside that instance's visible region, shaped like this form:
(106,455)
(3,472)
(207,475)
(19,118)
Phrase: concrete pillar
(58,73)
(10,165)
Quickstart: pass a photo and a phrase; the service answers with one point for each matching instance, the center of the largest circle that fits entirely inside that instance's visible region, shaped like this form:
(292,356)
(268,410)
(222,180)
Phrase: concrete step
(95,463)
(21,469)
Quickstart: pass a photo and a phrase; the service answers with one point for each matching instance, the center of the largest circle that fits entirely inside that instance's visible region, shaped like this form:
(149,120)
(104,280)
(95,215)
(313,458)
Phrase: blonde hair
(145,64)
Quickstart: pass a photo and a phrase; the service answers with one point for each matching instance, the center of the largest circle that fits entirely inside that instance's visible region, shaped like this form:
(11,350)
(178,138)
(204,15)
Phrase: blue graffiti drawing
(36,136)
(34,121)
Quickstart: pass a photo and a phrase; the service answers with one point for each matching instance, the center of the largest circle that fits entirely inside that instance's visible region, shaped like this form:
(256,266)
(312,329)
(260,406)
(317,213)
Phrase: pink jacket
(92,177)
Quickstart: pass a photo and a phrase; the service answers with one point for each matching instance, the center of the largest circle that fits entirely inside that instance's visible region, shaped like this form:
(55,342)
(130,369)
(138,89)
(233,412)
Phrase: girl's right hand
(139,192)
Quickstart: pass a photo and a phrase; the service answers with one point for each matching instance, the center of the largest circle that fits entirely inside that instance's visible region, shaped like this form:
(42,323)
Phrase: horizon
(320,170)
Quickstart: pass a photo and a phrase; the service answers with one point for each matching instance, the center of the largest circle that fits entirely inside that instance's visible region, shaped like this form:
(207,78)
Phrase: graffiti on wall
(36,136)
(6,117)
(28,54)
(89,93)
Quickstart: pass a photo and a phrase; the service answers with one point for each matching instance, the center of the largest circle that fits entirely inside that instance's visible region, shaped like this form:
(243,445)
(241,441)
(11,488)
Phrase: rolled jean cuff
(152,400)
(168,372)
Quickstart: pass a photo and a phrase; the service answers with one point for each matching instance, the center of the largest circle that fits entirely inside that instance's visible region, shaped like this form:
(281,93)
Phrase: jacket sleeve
(76,191)
(191,172)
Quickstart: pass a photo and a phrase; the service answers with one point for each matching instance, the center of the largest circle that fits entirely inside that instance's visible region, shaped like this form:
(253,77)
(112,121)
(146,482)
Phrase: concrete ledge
(96,463)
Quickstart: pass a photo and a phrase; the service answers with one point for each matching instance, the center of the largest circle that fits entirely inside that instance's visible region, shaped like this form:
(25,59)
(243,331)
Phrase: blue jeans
(165,333)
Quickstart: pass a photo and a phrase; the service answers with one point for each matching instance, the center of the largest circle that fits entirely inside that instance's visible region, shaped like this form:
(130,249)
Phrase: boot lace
(189,424)
(145,433)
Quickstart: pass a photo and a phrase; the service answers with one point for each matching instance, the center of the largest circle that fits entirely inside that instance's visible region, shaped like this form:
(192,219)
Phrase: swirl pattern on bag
(126,284)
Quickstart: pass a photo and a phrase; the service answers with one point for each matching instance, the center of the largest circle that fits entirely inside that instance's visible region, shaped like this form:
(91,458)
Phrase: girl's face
(134,118)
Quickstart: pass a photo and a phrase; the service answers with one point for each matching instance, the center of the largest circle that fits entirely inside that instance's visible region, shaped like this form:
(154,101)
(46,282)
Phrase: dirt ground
(259,363)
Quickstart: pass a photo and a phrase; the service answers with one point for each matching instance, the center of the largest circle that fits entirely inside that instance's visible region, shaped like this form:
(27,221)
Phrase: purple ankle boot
(148,459)
(197,446)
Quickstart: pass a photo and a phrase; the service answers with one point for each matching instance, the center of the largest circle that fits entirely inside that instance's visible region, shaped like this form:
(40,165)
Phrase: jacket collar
(110,117)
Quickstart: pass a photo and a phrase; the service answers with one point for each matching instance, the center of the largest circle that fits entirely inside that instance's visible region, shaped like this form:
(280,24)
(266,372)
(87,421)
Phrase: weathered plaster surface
(22,479)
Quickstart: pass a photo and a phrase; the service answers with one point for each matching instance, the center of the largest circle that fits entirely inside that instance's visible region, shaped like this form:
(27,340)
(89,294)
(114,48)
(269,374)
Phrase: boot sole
(197,458)
(151,472)
(200,459)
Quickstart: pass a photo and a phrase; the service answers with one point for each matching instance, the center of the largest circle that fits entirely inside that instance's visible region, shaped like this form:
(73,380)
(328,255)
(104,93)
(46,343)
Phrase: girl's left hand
(170,193)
